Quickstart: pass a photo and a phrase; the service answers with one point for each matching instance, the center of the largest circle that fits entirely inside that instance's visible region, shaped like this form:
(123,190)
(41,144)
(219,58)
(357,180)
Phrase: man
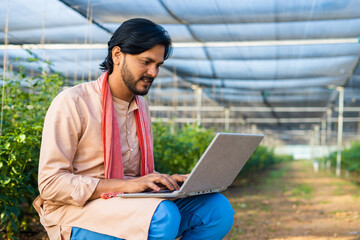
(97,139)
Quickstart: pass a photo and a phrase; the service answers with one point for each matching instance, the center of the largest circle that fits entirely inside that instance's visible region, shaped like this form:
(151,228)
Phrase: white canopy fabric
(255,54)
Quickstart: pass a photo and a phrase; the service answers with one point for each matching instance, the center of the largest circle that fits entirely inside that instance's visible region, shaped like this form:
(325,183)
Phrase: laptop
(217,168)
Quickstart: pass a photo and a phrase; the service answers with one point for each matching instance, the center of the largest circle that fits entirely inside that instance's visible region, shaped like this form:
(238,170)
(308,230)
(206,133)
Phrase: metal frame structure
(273,66)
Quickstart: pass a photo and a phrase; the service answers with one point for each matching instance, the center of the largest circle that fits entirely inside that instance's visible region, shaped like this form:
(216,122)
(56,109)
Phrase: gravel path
(293,202)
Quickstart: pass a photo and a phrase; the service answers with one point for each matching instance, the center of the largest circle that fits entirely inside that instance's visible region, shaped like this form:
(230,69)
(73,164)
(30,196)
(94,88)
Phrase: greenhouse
(286,69)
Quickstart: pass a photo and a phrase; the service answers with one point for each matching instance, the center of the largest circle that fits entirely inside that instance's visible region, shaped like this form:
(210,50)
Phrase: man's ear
(116,55)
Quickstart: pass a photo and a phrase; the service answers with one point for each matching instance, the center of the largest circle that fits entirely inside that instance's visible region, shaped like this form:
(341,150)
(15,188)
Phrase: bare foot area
(293,202)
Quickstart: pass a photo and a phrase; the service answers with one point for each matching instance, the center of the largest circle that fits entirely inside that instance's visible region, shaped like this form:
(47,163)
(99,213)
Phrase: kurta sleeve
(61,134)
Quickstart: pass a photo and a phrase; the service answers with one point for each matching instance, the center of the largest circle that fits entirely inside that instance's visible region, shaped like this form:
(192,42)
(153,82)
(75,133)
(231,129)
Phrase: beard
(131,82)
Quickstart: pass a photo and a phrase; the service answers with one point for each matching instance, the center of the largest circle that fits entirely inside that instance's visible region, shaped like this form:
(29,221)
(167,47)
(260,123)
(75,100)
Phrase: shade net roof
(274,64)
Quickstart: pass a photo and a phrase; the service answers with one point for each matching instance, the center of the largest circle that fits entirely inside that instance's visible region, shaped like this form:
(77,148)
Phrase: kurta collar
(124,105)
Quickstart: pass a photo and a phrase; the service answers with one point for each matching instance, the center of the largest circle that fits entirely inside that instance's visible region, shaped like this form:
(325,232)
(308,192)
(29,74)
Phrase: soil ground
(287,202)
(293,202)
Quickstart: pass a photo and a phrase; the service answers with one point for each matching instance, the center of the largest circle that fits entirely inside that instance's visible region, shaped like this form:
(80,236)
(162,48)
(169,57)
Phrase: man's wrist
(108,186)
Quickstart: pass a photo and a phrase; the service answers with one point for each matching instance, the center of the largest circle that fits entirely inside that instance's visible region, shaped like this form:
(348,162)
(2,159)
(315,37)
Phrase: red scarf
(111,135)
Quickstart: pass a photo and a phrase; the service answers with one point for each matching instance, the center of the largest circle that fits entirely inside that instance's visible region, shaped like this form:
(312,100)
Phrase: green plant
(302,190)
(176,150)
(26,99)
(262,159)
(19,161)
(349,158)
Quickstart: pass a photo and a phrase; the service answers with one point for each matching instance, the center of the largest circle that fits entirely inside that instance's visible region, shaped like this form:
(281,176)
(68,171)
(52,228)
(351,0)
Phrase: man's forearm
(109,185)
(152,181)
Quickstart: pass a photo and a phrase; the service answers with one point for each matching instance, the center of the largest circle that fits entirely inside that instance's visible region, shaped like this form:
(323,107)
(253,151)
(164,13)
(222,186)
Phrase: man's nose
(153,71)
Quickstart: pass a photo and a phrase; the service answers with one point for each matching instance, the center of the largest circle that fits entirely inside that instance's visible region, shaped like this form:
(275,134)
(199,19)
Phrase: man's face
(139,71)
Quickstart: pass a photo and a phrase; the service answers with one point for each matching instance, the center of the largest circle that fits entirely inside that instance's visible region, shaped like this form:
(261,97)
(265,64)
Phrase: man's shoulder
(144,104)
(143,101)
(81,90)
(76,97)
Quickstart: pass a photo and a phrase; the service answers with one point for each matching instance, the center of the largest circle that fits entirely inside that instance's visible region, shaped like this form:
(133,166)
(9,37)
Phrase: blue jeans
(208,216)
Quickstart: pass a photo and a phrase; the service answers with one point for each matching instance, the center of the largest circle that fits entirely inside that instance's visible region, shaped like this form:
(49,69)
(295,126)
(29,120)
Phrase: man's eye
(145,62)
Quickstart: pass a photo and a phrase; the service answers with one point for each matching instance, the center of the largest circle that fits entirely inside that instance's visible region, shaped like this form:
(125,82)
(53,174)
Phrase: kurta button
(131,149)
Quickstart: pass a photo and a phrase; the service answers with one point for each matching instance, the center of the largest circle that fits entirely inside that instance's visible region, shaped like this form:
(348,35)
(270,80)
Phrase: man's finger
(173,182)
(179,178)
(153,186)
(169,182)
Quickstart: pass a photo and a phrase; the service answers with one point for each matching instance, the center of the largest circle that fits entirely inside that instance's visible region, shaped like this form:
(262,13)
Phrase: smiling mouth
(147,79)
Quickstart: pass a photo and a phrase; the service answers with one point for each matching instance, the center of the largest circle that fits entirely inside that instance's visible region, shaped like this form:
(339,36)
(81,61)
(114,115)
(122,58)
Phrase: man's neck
(118,88)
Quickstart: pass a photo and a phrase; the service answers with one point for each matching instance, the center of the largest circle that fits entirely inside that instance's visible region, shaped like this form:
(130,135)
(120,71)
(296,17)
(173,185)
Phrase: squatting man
(97,139)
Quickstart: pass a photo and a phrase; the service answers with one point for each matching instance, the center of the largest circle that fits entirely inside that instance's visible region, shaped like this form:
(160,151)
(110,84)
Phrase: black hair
(136,36)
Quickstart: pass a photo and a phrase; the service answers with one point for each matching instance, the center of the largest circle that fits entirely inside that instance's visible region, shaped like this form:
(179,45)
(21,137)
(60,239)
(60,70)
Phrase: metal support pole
(198,92)
(227,119)
(323,142)
(253,129)
(340,130)
(323,132)
(328,130)
(314,146)
(328,126)
(243,127)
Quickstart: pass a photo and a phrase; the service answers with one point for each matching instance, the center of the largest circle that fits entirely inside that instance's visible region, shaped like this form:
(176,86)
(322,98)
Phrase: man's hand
(180,178)
(153,181)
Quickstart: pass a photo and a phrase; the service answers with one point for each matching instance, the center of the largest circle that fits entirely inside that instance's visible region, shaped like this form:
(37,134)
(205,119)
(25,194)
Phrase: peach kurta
(72,163)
